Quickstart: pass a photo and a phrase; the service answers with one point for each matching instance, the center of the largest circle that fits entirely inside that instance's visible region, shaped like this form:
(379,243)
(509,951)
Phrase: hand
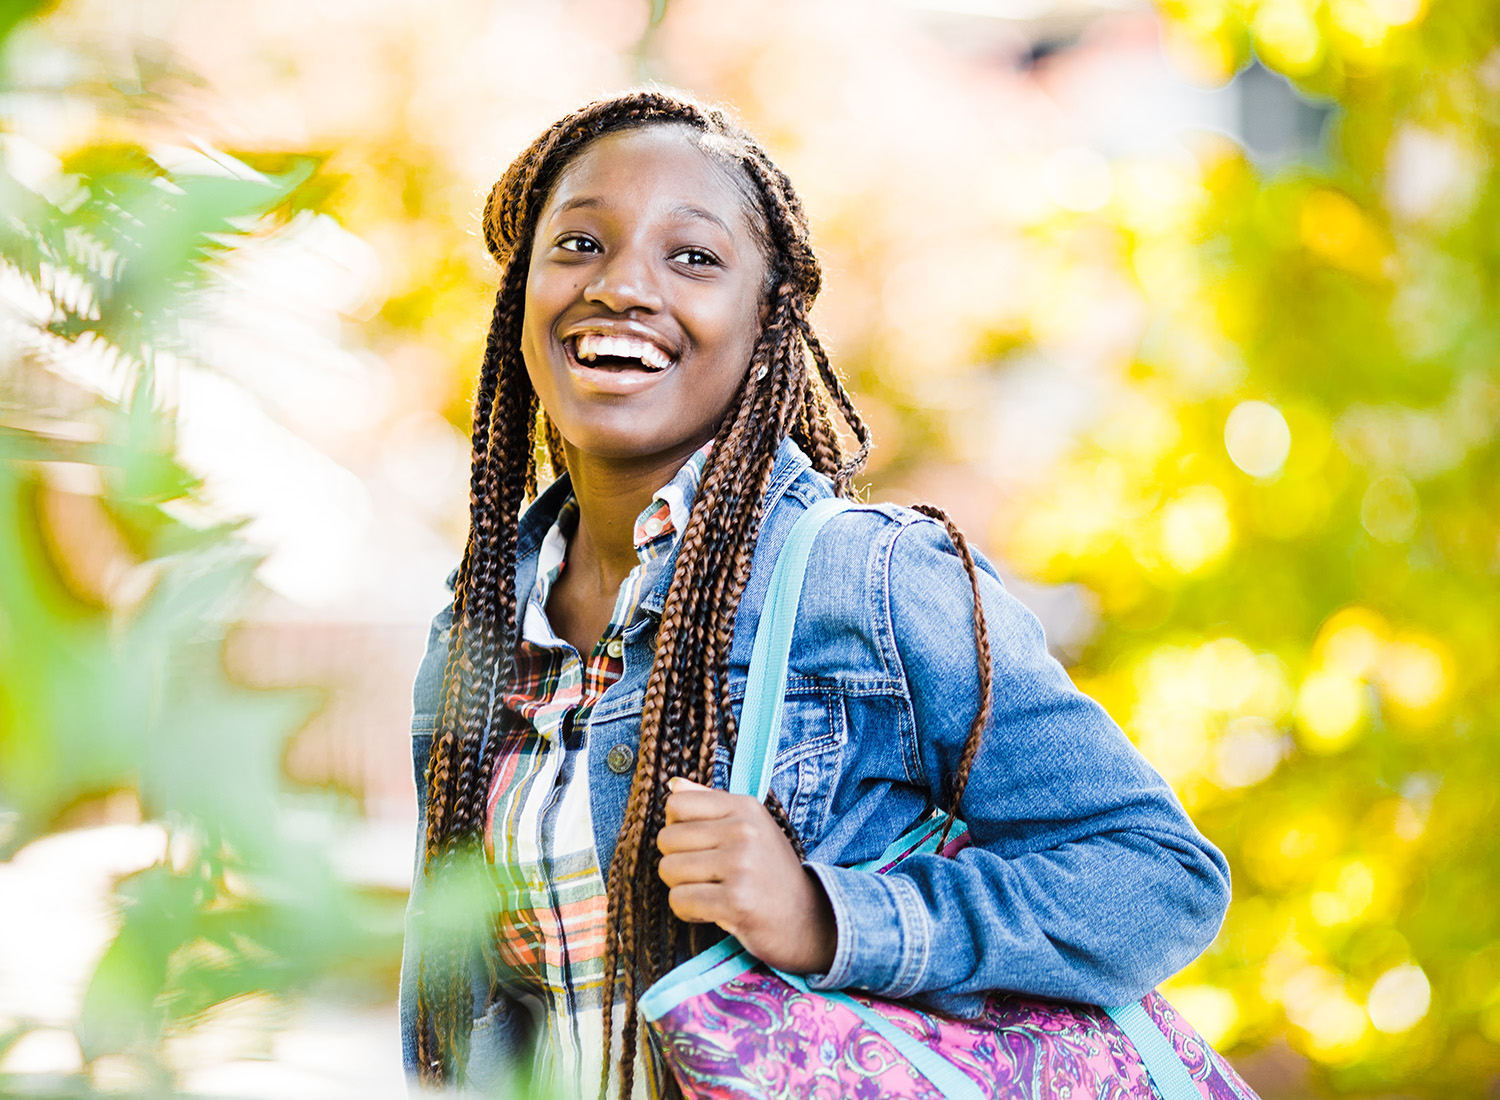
(725,861)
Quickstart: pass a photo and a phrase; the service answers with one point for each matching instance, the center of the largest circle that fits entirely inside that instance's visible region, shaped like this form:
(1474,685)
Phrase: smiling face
(643,297)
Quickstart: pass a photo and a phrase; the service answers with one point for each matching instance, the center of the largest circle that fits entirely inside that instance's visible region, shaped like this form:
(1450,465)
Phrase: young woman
(576,708)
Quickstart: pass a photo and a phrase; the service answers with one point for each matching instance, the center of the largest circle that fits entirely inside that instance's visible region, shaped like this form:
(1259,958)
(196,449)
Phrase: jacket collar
(790,462)
(536,521)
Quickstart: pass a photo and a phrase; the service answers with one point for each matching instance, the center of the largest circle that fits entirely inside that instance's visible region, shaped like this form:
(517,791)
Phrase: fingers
(796,932)
(693,836)
(700,903)
(691,801)
(733,907)
(680,868)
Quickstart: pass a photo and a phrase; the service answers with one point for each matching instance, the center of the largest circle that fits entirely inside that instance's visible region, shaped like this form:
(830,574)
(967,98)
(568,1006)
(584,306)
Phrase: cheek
(538,313)
(531,350)
(740,323)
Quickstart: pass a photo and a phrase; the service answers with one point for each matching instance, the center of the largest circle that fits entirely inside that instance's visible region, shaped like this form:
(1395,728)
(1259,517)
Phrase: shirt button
(615,648)
(620,759)
(654,526)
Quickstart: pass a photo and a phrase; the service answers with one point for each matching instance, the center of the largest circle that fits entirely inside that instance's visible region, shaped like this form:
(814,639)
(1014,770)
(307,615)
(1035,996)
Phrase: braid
(831,382)
(982,646)
(814,434)
(789,219)
(483,617)
(687,711)
(692,649)
(557,464)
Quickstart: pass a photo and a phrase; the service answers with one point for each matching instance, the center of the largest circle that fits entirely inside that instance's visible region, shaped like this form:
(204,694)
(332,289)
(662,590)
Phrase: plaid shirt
(539,830)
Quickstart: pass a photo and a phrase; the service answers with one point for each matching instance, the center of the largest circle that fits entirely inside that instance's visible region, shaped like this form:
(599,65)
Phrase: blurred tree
(1288,512)
(115,598)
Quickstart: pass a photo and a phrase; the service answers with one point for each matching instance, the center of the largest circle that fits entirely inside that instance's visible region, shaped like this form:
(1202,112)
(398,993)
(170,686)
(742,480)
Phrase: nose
(624,281)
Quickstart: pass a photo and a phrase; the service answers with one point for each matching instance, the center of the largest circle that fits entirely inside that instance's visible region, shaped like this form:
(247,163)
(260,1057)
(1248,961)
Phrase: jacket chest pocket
(809,755)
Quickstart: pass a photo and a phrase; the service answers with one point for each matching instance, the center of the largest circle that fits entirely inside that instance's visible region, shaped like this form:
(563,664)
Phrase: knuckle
(741,907)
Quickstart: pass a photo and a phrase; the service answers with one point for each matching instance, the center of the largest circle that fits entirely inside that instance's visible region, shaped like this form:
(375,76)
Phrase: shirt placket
(603,668)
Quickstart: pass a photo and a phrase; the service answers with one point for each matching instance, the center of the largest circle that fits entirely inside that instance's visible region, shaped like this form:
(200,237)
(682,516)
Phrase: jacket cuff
(884,932)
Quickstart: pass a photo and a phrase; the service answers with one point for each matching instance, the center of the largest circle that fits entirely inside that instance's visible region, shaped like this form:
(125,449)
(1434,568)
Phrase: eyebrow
(688,210)
(681,210)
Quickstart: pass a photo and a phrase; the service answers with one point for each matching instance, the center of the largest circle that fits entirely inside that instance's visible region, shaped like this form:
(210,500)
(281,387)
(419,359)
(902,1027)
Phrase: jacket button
(620,759)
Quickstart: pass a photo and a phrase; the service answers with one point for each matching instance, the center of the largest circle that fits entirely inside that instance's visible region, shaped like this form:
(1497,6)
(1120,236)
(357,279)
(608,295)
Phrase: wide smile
(618,363)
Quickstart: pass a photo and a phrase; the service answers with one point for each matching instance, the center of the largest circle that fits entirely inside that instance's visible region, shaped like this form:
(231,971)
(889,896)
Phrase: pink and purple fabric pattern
(756,1038)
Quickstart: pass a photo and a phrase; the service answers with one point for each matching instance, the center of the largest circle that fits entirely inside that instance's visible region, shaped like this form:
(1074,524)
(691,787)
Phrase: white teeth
(592,345)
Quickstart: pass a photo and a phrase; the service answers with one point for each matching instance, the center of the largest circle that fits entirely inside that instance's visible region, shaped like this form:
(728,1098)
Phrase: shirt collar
(667,515)
(657,529)
(535,628)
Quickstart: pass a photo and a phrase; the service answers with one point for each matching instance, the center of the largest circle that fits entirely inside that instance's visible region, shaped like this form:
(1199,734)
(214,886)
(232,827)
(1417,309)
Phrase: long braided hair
(790,389)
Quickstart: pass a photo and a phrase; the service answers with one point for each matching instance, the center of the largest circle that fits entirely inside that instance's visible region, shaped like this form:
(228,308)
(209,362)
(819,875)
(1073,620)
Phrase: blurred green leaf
(114,676)
(13,12)
(137,243)
(122,1007)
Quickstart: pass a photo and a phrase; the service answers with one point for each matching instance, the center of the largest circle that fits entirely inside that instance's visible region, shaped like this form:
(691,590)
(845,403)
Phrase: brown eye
(695,257)
(575,242)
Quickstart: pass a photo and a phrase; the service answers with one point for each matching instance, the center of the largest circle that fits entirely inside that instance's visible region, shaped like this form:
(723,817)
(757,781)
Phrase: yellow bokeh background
(1187,313)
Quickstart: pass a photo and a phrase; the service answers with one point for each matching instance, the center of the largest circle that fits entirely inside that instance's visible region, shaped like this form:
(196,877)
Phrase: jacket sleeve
(1086,880)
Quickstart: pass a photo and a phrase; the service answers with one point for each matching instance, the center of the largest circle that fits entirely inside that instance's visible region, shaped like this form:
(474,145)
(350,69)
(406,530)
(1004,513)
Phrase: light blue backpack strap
(705,971)
(765,688)
(947,1078)
(920,840)
(1168,1074)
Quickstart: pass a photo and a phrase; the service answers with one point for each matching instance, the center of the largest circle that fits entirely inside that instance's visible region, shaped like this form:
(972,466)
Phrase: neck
(611,493)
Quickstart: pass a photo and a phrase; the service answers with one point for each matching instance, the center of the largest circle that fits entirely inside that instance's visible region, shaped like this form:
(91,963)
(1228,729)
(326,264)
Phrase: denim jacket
(1086,881)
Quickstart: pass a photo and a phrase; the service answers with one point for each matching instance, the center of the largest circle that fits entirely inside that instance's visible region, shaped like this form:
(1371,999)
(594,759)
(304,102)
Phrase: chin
(631,442)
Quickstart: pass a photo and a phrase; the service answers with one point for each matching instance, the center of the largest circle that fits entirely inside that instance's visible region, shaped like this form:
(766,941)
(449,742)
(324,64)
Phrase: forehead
(654,171)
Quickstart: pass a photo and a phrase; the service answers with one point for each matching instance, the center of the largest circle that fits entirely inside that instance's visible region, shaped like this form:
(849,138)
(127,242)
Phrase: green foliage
(125,699)
(13,12)
(1289,516)
(136,241)
(114,603)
